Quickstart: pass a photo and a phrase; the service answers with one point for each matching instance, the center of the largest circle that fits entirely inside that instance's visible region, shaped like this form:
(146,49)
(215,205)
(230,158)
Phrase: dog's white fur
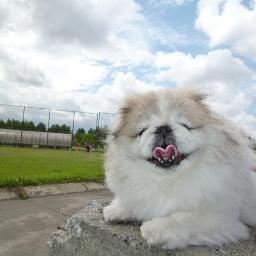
(208,199)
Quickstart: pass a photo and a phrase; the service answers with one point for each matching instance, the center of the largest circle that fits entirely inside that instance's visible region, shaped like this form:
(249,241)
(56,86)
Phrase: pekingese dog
(181,169)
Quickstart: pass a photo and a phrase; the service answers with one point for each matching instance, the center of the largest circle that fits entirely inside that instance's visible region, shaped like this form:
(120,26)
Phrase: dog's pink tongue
(166,153)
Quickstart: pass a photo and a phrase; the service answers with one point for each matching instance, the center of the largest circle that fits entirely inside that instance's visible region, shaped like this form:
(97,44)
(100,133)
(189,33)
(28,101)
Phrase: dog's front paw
(150,233)
(158,235)
(115,212)
(111,214)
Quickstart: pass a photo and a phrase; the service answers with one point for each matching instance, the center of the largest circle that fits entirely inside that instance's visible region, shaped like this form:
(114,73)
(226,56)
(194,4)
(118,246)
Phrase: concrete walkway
(26,225)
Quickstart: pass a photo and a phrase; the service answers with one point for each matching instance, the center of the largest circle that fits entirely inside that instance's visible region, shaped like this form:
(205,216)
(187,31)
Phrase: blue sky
(88,54)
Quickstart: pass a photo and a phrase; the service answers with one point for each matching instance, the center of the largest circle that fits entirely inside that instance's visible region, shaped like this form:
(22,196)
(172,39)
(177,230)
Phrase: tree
(40,127)
(15,124)
(95,137)
(80,131)
(2,123)
(99,135)
(65,129)
(54,128)
(30,126)
(8,124)
(26,126)
(59,128)
(80,136)
(75,142)
(90,139)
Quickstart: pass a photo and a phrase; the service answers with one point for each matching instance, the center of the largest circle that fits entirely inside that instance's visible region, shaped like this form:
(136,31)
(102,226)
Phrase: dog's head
(163,127)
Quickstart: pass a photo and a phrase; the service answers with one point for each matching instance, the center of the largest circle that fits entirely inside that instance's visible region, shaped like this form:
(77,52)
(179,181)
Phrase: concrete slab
(7,193)
(70,203)
(86,233)
(26,225)
(49,190)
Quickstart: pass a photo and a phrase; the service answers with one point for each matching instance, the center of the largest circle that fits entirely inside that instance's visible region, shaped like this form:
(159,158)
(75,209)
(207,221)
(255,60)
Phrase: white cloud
(218,72)
(71,45)
(3,15)
(229,22)
(34,68)
(18,72)
(24,62)
(89,22)
(105,98)
(218,66)
(113,31)
(108,97)
(247,122)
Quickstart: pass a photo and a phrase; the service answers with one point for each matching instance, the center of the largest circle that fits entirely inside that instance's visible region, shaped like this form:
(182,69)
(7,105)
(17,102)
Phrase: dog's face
(163,127)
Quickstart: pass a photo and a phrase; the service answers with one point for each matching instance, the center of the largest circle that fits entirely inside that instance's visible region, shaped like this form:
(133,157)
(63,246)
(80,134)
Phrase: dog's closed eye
(188,127)
(141,131)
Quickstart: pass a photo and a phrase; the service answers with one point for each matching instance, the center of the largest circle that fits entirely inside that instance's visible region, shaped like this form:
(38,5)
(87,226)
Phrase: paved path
(26,225)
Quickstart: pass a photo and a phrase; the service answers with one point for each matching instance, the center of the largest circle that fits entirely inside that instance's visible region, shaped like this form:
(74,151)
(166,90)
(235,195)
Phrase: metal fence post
(48,126)
(99,120)
(96,125)
(73,126)
(96,130)
(22,123)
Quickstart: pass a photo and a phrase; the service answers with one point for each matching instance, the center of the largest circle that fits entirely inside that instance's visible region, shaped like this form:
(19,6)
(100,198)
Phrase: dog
(181,169)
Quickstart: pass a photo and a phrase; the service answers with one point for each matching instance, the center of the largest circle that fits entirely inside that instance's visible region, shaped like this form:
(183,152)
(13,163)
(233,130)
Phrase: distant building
(31,138)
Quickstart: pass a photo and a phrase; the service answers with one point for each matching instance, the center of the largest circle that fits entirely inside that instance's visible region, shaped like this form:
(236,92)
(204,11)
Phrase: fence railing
(52,121)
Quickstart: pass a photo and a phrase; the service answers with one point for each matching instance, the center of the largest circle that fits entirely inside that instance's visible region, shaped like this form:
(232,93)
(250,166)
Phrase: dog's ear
(199,97)
(121,120)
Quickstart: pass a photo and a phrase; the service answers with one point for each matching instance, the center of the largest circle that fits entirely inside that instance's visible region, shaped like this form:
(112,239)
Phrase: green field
(29,166)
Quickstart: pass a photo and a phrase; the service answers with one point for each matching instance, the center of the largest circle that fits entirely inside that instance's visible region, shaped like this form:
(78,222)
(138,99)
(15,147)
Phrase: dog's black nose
(163,130)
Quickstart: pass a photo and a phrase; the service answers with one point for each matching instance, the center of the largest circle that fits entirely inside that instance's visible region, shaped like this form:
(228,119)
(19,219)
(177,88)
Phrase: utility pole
(73,125)
(22,123)
(48,126)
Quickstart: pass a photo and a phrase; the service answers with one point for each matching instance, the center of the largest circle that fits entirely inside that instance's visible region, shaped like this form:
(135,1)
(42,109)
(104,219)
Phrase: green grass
(29,166)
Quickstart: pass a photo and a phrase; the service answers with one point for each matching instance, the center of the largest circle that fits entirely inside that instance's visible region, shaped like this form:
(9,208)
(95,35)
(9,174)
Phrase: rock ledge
(86,233)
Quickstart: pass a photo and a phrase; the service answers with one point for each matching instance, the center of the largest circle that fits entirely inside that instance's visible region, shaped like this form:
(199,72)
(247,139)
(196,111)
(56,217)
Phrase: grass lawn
(30,166)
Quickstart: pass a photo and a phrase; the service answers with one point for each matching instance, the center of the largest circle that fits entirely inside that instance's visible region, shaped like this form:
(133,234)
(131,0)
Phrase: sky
(86,55)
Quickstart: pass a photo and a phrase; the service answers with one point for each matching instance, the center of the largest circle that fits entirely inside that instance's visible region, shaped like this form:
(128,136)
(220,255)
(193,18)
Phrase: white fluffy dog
(182,170)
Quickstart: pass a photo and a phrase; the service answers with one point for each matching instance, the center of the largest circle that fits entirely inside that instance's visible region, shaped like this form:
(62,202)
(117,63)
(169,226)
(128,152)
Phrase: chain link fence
(44,127)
